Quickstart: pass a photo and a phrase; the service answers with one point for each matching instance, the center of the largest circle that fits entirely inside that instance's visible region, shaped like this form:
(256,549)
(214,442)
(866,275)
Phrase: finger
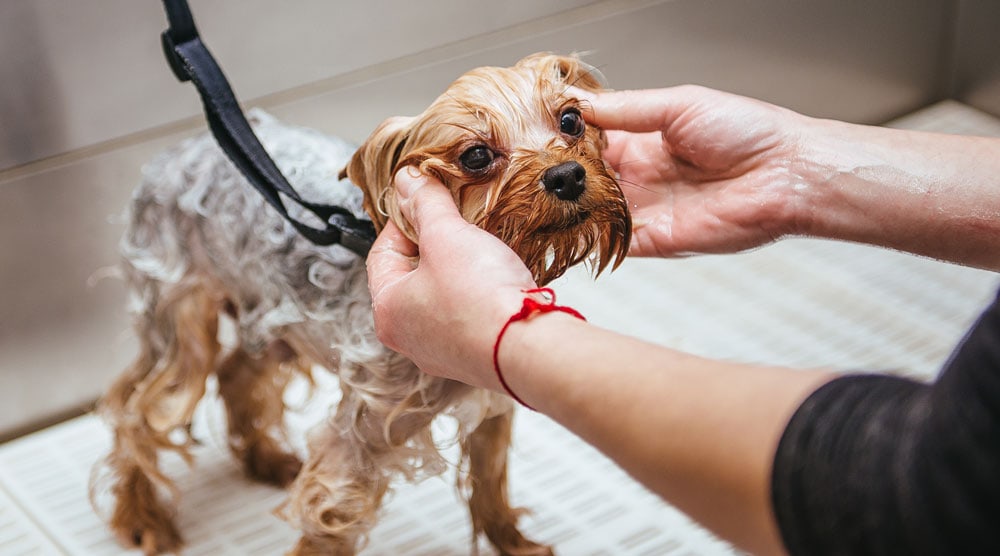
(614,152)
(638,111)
(424,199)
(391,257)
(642,159)
(392,239)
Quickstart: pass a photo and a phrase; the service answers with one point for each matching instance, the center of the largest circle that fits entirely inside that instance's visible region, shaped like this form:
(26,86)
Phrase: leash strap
(191,61)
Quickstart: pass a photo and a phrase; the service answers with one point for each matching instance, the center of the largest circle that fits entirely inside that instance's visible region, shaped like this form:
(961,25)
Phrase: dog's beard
(551,235)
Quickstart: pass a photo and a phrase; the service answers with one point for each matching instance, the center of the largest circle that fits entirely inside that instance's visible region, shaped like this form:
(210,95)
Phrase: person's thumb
(424,200)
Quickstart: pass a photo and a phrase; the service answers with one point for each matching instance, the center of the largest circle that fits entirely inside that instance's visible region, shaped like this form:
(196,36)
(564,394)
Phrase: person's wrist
(819,159)
(832,156)
(530,336)
(493,310)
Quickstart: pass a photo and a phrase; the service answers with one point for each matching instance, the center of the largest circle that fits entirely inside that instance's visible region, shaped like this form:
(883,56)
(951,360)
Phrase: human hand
(705,171)
(443,309)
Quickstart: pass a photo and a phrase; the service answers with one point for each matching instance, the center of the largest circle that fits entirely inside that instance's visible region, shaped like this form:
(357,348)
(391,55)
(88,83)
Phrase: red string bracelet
(528,308)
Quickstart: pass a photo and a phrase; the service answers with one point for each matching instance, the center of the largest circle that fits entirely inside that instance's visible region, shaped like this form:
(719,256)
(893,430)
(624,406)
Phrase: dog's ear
(373,166)
(569,70)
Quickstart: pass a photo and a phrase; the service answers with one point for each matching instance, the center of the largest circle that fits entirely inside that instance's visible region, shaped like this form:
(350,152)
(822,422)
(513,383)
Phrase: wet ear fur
(568,69)
(373,166)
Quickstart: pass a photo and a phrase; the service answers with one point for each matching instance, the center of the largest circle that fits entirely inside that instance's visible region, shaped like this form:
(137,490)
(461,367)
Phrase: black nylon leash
(191,61)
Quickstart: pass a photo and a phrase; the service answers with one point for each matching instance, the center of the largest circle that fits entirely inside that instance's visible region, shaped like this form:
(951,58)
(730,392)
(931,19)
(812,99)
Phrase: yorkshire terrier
(202,247)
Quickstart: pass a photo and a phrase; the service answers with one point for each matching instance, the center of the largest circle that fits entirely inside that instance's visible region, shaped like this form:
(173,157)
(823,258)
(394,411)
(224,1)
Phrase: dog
(201,249)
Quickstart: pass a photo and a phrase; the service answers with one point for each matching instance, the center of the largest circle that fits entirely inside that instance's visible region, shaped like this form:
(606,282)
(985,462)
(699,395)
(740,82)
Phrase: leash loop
(190,60)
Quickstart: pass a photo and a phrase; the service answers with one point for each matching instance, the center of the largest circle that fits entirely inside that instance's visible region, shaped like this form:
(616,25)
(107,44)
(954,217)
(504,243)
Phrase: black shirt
(874,464)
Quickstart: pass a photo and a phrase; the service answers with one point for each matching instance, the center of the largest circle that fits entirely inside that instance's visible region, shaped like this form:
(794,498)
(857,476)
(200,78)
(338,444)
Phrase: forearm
(930,194)
(698,432)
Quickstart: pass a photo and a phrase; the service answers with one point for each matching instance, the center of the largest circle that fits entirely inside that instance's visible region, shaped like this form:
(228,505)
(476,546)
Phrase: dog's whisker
(634,161)
(635,185)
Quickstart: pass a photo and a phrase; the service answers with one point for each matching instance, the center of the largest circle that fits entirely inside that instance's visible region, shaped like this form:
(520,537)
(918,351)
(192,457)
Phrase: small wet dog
(202,248)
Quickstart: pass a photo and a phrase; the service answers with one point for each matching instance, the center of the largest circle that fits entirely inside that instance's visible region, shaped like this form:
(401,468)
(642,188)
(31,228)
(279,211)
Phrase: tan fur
(514,111)
(154,398)
(252,390)
(201,246)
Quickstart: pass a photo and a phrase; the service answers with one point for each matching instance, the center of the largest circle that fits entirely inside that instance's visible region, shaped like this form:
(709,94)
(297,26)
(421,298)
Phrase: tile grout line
(24,510)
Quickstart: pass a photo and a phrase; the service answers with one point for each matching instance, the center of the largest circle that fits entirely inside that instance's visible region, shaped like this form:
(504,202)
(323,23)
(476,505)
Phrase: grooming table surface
(800,302)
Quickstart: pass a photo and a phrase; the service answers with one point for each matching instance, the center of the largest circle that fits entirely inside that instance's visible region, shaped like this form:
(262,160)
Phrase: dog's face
(512,146)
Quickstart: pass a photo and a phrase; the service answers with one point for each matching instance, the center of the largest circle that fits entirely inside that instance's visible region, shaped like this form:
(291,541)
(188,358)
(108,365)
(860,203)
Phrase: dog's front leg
(336,497)
(381,429)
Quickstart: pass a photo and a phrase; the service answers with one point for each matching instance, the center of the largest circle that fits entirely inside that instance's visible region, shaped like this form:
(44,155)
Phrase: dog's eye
(476,158)
(571,123)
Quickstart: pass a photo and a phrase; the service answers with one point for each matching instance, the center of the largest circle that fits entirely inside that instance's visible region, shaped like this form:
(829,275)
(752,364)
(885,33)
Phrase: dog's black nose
(567,180)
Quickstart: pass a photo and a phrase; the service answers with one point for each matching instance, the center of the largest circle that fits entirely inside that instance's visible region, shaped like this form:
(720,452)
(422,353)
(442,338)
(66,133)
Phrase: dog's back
(195,215)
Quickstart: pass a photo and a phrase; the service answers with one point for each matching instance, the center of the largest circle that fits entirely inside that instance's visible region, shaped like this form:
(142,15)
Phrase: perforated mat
(800,303)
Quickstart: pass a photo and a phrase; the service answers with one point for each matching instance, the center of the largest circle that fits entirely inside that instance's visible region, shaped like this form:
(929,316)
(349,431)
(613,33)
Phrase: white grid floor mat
(800,303)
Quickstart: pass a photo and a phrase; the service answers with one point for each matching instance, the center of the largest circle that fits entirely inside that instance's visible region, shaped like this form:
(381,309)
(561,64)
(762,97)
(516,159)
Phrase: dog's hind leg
(485,450)
(150,408)
(252,388)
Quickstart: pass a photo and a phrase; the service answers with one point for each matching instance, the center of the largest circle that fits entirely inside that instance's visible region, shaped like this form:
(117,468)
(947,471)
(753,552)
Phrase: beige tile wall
(85,98)
(976,71)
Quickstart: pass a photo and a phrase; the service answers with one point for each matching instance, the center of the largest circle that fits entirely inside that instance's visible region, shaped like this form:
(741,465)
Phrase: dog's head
(513,148)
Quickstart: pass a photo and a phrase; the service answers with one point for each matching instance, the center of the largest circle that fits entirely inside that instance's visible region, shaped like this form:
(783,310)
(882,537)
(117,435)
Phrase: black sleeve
(873,464)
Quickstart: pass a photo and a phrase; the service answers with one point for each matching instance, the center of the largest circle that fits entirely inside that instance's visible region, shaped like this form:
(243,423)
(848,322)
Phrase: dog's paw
(509,541)
(527,548)
(140,519)
(149,531)
(268,463)
(311,546)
